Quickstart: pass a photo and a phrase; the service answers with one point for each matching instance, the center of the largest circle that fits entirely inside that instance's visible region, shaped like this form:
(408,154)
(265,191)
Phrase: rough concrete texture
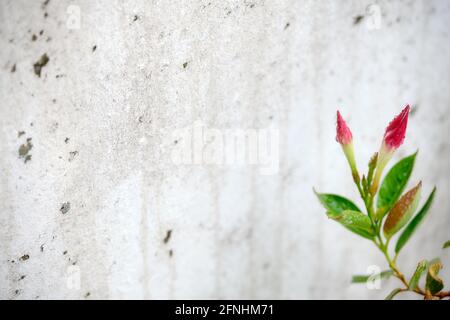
(93,206)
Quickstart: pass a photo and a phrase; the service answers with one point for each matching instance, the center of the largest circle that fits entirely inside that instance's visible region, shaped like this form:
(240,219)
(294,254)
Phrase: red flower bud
(345,138)
(343,133)
(395,131)
(393,138)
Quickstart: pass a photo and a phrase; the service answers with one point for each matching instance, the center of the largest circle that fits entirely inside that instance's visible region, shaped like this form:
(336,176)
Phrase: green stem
(368,197)
(368,202)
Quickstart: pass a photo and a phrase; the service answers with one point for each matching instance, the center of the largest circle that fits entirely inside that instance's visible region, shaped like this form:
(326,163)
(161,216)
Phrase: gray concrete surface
(87,203)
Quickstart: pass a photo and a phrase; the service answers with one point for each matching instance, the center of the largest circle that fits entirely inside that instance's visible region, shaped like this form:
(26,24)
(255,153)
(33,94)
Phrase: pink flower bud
(345,138)
(393,138)
(343,133)
(395,131)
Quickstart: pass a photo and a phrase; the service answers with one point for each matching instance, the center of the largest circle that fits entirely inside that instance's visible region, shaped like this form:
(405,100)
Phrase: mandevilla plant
(387,210)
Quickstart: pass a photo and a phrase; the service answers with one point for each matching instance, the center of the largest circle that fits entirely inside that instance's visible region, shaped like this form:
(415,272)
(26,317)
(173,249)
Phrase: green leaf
(335,203)
(395,182)
(393,294)
(434,284)
(354,221)
(446,245)
(402,211)
(360,278)
(414,282)
(415,222)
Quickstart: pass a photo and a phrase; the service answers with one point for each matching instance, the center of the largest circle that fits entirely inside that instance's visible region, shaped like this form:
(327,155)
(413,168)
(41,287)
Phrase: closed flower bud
(395,132)
(402,211)
(345,138)
(343,134)
(393,138)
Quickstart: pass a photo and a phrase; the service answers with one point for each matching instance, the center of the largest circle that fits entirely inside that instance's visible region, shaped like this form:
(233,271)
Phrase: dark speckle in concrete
(94,48)
(135,18)
(358,19)
(20,133)
(65,207)
(185,65)
(33,37)
(66,140)
(72,155)
(25,257)
(167,237)
(13,68)
(287,25)
(24,149)
(42,62)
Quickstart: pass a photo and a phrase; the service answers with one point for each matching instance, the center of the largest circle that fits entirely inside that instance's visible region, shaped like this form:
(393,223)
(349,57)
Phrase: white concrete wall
(103,126)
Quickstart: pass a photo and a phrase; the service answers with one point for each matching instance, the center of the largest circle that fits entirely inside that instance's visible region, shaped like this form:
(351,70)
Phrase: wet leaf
(415,222)
(354,221)
(402,211)
(336,203)
(395,182)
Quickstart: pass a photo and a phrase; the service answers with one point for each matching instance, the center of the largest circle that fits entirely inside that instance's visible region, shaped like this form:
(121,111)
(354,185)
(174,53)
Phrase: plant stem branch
(367,193)
(383,246)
